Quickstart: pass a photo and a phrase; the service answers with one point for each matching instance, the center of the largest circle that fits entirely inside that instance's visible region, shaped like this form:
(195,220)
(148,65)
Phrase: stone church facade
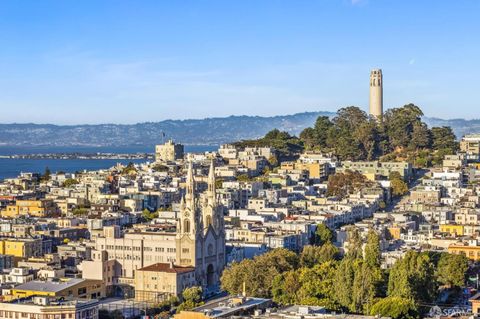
(200,236)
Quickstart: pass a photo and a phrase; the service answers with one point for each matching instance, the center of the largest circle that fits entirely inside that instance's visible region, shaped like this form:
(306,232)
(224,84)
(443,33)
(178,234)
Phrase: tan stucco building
(154,282)
(168,152)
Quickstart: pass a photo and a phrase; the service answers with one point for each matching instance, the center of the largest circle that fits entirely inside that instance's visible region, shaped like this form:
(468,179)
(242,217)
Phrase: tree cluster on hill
(69,182)
(355,283)
(343,184)
(283,142)
(353,135)
(129,169)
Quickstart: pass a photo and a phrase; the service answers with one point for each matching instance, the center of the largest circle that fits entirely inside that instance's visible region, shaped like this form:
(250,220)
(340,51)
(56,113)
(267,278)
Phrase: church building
(158,264)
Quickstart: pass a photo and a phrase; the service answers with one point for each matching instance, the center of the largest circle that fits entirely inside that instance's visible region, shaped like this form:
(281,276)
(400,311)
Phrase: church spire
(211,183)
(190,192)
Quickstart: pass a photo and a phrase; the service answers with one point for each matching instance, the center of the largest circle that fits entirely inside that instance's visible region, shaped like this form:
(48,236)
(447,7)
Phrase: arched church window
(186,226)
(209,221)
(210,250)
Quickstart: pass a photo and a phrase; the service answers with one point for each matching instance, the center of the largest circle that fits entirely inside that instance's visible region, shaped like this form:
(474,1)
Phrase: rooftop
(167,267)
(228,306)
(46,301)
(50,285)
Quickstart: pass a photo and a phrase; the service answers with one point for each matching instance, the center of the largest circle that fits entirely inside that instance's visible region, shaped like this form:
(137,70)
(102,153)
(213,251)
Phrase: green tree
(400,123)
(237,274)
(259,273)
(160,168)
(421,137)
(343,283)
(412,277)
(148,215)
(312,255)
(355,244)
(309,138)
(192,297)
(444,139)
(273,161)
(343,184)
(395,308)
(129,169)
(243,178)
(317,286)
(372,254)
(69,182)
(285,287)
(219,183)
(80,211)
(323,234)
(321,128)
(364,287)
(369,138)
(47,175)
(399,187)
(352,136)
(451,269)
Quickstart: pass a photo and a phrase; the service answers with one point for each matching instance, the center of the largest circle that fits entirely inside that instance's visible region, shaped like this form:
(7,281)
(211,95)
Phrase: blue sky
(98,61)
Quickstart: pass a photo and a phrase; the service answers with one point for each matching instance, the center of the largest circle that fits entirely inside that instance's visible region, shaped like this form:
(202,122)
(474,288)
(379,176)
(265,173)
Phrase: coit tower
(376,93)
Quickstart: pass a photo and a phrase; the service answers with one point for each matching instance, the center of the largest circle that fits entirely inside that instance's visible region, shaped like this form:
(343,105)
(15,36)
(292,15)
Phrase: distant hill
(209,131)
(459,126)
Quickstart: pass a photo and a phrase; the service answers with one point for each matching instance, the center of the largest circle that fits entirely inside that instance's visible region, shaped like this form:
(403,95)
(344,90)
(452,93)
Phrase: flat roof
(49,285)
(222,307)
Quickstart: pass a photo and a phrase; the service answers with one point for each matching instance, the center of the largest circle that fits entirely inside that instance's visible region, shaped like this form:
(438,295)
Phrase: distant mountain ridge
(208,131)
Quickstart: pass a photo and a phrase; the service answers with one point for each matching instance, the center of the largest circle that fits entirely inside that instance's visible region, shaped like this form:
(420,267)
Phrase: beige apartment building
(48,308)
(374,169)
(425,195)
(169,152)
(315,170)
(470,144)
(156,282)
(454,162)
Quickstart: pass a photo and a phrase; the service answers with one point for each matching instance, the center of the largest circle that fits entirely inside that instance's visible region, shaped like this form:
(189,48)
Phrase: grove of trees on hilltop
(354,135)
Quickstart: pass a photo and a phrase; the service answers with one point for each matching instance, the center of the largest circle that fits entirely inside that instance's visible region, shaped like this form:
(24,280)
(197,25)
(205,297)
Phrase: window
(186,226)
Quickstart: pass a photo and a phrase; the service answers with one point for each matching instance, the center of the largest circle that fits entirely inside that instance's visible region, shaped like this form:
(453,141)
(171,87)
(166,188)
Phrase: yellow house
(315,170)
(452,229)
(472,252)
(395,232)
(35,208)
(21,247)
(63,287)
